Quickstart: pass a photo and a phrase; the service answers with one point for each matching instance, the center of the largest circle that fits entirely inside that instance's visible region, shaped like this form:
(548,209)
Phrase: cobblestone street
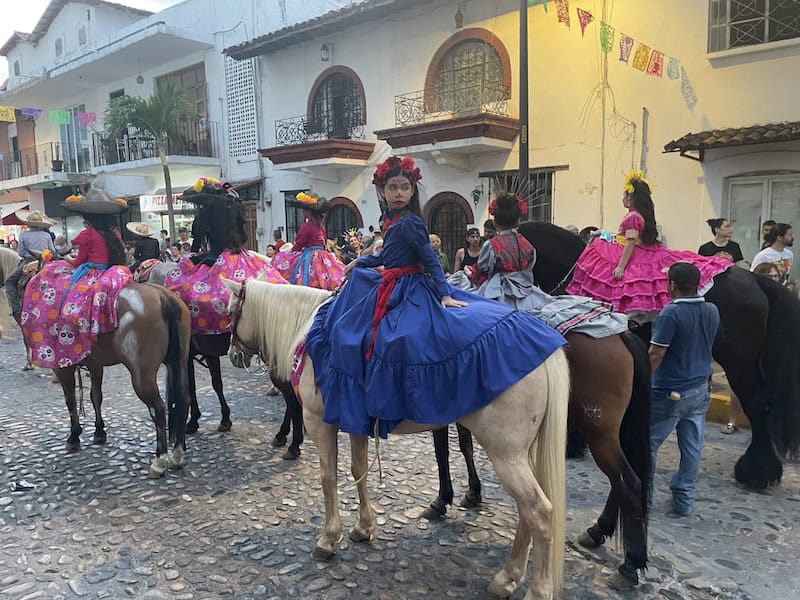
(240,522)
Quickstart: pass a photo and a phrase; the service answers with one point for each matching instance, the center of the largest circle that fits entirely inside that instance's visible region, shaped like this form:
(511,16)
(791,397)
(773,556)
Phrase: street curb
(718,411)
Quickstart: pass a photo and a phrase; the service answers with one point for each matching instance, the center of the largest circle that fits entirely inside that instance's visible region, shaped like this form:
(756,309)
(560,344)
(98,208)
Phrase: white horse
(523,432)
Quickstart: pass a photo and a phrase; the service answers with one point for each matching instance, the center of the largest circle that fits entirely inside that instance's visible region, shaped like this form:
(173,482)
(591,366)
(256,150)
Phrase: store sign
(158,203)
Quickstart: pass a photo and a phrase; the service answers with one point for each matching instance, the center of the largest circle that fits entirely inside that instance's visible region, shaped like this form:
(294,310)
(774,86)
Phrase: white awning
(10,208)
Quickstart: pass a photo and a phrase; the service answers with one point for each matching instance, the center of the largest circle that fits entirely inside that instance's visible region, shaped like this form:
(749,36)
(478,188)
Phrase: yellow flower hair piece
(631,177)
(202,182)
(74,198)
(306,198)
(120,201)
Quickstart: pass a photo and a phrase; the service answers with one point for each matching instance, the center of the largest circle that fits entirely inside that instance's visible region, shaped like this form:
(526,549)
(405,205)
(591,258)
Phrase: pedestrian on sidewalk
(680,357)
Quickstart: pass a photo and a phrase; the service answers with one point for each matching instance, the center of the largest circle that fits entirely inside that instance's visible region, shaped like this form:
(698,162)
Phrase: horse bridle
(239,347)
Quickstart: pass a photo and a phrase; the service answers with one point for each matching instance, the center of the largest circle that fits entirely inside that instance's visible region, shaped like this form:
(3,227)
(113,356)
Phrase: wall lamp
(477,193)
(326,52)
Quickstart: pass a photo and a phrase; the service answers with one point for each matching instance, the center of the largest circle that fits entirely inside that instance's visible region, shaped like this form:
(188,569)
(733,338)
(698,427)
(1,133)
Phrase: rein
(236,315)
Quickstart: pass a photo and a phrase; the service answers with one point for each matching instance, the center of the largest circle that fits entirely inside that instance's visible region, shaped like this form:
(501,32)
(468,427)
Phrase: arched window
(342,216)
(471,71)
(447,215)
(337,106)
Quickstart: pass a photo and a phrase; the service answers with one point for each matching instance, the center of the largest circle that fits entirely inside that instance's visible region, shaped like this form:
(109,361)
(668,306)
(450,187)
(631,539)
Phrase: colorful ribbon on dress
(79,272)
(304,263)
(389,278)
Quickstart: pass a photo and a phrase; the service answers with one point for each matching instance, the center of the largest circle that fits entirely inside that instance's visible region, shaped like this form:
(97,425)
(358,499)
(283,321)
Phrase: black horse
(759,322)
(219,223)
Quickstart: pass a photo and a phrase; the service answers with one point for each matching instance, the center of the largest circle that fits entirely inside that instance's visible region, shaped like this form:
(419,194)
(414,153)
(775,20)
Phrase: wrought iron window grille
(482,97)
(737,23)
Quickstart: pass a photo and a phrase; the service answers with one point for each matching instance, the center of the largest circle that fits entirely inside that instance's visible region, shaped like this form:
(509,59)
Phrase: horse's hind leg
(365,528)
(473,497)
(96,393)
(66,377)
(295,412)
(147,390)
(438,507)
(216,382)
(194,409)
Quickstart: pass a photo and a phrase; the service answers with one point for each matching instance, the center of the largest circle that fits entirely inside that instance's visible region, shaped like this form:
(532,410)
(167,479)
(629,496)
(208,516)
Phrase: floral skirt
(312,266)
(59,321)
(201,287)
(644,285)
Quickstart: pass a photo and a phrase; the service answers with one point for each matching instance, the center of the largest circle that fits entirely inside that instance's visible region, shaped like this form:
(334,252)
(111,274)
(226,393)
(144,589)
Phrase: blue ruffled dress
(430,364)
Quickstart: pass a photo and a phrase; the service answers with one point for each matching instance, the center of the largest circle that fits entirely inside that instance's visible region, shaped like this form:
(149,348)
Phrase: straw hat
(34,218)
(96,202)
(138,228)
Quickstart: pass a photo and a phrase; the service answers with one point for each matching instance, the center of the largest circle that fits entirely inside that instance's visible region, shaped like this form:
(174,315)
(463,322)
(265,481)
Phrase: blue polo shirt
(687,328)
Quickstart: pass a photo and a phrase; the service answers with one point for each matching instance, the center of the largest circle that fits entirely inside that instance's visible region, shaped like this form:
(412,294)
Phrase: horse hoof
(99,439)
(278,441)
(28,367)
(434,513)
(224,426)
(359,537)
(471,500)
(192,427)
(73,446)
(321,554)
(176,460)
(587,541)
(291,454)
(502,585)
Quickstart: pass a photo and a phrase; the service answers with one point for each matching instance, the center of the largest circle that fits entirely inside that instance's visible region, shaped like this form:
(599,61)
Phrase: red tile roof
(331,22)
(737,136)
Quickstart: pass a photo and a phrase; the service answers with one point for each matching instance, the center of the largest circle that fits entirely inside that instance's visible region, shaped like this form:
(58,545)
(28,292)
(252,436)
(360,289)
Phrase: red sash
(389,278)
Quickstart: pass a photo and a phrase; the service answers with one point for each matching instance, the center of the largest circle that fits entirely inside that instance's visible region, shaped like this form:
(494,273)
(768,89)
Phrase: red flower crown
(523,206)
(395,162)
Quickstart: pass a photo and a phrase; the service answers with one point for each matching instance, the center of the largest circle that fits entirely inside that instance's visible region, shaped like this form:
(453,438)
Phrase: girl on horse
(219,226)
(629,270)
(309,263)
(146,251)
(70,301)
(402,343)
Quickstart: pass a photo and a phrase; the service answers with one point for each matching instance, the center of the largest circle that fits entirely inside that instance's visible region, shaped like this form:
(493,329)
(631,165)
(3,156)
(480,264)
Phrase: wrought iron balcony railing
(447,102)
(193,138)
(329,126)
(45,158)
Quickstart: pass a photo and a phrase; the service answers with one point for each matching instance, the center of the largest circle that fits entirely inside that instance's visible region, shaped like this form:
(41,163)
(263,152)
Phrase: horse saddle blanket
(62,316)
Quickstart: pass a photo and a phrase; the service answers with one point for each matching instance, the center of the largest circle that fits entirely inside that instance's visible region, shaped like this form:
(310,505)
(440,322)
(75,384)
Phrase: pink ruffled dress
(309,263)
(201,288)
(644,285)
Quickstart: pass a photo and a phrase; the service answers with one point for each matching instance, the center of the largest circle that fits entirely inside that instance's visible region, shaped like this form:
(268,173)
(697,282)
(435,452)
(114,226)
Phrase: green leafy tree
(161,116)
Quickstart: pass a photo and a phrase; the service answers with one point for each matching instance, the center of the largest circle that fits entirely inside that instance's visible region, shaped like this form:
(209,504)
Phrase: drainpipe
(265,192)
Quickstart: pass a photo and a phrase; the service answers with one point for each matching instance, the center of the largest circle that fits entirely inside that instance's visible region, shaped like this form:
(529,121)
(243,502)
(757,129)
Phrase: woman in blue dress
(399,343)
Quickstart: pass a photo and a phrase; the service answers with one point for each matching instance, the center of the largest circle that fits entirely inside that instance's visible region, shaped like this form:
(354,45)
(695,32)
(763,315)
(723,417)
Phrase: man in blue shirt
(680,357)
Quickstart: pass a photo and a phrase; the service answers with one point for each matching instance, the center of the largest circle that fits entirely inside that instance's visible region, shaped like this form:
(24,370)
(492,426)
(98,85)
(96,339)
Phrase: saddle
(142,272)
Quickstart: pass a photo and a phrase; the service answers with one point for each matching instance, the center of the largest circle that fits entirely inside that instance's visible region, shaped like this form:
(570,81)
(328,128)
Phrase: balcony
(333,141)
(45,165)
(449,123)
(197,143)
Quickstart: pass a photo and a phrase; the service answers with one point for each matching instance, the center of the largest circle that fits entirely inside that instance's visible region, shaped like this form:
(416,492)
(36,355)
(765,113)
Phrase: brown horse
(270,320)
(610,405)
(154,328)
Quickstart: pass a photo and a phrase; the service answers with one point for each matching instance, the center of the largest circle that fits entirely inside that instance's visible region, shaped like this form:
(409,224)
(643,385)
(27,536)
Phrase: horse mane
(557,251)
(281,316)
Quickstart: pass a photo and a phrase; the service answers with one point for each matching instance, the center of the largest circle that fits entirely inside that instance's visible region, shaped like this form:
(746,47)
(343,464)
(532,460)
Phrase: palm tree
(160,115)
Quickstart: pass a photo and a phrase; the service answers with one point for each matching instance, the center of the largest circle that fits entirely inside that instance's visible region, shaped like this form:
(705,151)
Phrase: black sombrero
(96,202)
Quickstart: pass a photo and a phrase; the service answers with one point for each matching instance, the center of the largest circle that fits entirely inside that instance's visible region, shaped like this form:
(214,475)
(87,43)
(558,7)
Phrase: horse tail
(549,462)
(175,361)
(780,366)
(634,434)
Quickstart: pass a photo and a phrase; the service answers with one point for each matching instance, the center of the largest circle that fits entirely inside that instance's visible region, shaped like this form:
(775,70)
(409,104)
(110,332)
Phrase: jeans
(687,417)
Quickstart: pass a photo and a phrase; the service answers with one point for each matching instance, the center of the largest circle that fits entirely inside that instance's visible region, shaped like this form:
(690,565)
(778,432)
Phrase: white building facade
(439,80)
(82,54)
